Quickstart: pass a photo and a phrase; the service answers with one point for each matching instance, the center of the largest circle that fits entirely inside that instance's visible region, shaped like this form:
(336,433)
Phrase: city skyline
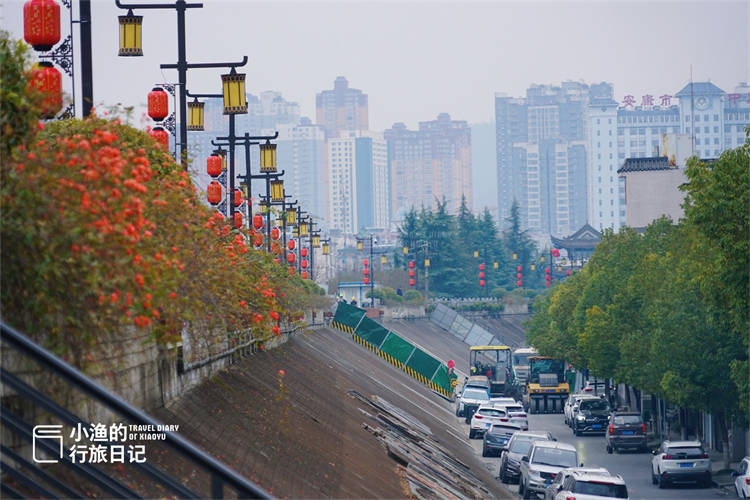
(416,60)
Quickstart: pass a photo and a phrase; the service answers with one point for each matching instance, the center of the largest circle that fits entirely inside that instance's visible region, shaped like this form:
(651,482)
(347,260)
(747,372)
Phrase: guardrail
(29,478)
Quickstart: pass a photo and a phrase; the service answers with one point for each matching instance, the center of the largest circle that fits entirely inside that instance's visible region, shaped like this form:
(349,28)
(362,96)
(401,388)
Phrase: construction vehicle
(521,363)
(495,363)
(546,389)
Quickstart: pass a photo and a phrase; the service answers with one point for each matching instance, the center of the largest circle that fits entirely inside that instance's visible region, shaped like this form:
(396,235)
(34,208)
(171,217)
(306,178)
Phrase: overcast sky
(418,59)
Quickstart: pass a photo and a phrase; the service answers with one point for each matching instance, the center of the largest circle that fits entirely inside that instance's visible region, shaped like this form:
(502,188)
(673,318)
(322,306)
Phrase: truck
(546,389)
(496,364)
(521,363)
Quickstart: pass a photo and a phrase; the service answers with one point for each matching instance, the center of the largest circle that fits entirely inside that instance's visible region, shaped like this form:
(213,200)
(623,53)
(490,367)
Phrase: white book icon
(47,432)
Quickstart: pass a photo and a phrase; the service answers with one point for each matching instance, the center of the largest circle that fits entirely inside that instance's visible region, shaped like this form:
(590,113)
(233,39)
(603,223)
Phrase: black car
(626,430)
(497,437)
(517,448)
(592,417)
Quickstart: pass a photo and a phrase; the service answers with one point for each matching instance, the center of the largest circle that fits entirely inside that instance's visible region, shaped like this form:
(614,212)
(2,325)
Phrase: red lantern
(567,272)
(237,220)
(158,104)
(519,276)
(481,274)
(519,268)
(367,280)
(546,270)
(519,283)
(366,262)
(303,263)
(257,221)
(258,240)
(213,165)
(41,24)
(546,283)
(481,282)
(275,233)
(214,192)
(46,79)
(276,247)
(555,252)
(365,271)
(303,252)
(237,197)
(290,258)
(411,273)
(481,267)
(292,270)
(304,275)
(161,136)
(411,282)
(290,244)
(411,264)
(277,260)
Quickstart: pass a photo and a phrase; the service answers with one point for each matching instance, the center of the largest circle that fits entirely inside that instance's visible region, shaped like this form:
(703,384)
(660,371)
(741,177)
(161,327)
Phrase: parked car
(503,400)
(592,417)
(680,462)
(515,413)
(626,430)
(545,460)
(484,417)
(586,486)
(497,436)
(555,486)
(517,448)
(571,406)
(742,479)
(469,401)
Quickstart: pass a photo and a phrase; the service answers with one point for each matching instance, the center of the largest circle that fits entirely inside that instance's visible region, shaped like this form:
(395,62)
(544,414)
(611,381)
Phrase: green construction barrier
(348,315)
(372,332)
(397,347)
(423,363)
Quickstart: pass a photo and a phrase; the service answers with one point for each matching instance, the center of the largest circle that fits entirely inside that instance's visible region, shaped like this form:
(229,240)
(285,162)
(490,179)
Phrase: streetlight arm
(203,96)
(206,65)
(155,5)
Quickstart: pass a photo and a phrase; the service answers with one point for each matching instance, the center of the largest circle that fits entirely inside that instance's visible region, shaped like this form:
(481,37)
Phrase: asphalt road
(633,467)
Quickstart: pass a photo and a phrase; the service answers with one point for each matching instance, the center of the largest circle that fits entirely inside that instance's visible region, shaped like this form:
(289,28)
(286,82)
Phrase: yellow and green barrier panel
(401,353)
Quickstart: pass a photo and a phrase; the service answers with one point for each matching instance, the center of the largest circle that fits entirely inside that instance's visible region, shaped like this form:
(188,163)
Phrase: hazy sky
(418,59)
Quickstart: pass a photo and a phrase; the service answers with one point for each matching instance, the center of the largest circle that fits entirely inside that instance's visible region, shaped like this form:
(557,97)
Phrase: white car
(556,485)
(484,417)
(586,486)
(681,462)
(742,479)
(515,413)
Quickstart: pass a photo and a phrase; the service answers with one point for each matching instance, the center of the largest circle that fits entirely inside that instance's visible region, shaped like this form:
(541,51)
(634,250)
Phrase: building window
(716,118)
(697,118)
(716,140)
(705,118)
(597,121)
(687,129)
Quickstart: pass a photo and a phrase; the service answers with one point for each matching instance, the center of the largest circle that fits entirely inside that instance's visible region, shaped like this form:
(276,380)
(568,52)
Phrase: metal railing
(29,477)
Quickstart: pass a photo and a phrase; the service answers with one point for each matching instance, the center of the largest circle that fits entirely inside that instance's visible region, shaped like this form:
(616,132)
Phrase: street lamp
(131,27)
(195,115)
(371,278)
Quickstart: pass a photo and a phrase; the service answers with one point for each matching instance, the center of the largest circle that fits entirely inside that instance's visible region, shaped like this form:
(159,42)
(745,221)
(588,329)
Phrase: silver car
(545,460)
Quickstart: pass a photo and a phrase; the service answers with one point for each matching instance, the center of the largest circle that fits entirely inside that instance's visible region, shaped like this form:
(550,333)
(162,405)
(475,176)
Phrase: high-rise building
(432,163)
(542,157)
(358,187)
(341,109)
(717,122)
(302,154)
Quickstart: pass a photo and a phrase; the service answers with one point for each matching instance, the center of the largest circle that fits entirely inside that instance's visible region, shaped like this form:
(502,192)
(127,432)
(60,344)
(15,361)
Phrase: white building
(358,187)
(303,156)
